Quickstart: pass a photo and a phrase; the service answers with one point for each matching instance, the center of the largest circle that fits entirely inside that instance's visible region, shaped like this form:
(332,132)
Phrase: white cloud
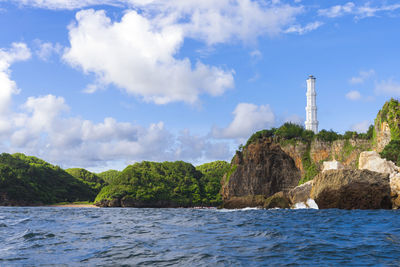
(256,54)
(136,55)
(362,77)
(209,20)
(361,127)
(248,118)
(303,30)
(353,95)
(337,10)
(359,12)
(65,4)
(17,52)
(43,127)
(44,50)
(389,88)
(368,11)
(226,20)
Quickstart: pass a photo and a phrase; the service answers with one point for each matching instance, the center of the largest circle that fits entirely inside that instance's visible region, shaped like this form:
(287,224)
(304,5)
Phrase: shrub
(327,136)
(289,131)
(392,152)
(260,135)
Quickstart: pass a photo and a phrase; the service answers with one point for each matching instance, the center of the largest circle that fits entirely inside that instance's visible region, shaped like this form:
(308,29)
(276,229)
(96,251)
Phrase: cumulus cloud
(353,95)
(361,127)
(362,77)
(226,20)
(17,52)
(43,127)
(389,88)
(361,11)
(138,56)
(248,118)
(209,20)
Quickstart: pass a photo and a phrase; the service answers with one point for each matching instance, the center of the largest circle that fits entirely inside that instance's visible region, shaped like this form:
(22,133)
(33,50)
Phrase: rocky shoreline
(266,177)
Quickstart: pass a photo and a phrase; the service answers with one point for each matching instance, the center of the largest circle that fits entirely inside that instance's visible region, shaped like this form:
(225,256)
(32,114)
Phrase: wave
(309,204)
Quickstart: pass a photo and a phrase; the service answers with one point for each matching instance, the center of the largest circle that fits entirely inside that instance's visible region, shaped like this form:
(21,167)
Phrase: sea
(64,236)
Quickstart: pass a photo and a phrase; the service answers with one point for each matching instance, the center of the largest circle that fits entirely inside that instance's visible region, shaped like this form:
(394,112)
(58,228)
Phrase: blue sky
(101,84)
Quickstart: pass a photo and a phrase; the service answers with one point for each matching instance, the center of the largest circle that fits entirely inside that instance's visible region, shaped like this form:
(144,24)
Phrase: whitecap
(309,204)
(232,210)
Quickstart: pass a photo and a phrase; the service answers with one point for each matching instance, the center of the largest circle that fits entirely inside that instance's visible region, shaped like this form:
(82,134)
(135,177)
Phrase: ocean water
(40,236)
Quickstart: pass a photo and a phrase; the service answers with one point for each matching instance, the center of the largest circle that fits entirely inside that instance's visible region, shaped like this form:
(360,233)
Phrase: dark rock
(351,189)
(262,169)
(300,193)
(244,202)
(109,203)
(278,200)
(396,202)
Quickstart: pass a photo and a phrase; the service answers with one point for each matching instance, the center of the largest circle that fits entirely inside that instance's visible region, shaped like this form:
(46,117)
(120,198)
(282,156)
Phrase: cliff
(261,169)
(309,157)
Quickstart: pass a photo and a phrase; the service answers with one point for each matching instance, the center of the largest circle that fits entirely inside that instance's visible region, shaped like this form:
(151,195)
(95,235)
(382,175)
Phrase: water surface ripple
(33,236)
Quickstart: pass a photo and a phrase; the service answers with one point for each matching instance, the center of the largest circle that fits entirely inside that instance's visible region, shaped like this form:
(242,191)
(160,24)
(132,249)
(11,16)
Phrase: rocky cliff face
(262,169)
(311,156)
(383,136)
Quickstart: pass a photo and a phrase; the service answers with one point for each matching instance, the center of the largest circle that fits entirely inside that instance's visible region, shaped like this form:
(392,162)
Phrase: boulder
(300,193)
(351,189)
(277,200)
(395,190)
(261,169)
(371,160)
(395,184)
(332,165)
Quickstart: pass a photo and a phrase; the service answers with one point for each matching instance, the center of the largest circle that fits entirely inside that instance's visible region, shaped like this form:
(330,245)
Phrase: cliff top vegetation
(292,131)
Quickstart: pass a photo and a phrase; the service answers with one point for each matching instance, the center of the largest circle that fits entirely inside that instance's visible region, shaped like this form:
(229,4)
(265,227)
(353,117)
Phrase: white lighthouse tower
(311,108)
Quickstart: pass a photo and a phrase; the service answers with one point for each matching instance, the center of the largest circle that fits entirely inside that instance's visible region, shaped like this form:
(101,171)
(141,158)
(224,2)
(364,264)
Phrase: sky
(101,84)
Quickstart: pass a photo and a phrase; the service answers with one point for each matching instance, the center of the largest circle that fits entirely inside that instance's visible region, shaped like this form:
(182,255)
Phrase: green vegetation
(392,152)
(211,181)
(309,167)
(261,135)
(328,136)
(390,113)
(109,175)
(175,183)
(230,171)
(290,133)
(87,177)
(29,180)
